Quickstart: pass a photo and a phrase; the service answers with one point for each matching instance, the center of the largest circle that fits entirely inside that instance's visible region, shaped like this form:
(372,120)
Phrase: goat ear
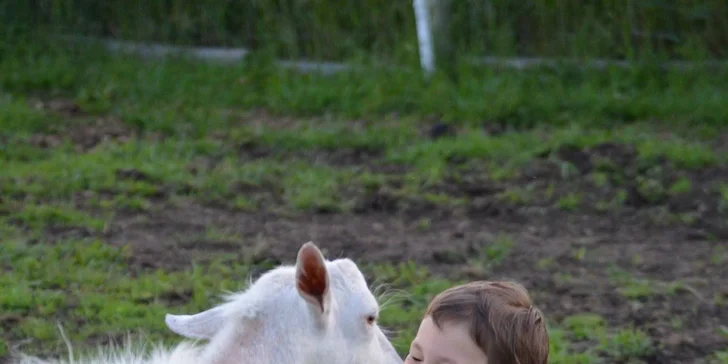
(203,325)
(312,277)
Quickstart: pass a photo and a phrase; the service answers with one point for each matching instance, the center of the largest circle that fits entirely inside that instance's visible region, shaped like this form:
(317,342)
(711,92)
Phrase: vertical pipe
(424,36)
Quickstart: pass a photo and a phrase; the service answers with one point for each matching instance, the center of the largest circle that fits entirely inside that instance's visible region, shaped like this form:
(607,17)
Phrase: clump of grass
(681,186)
(627,344)
(688,155)
(586,326)
(17,115)
(45,216)
(651,188)
(721,356)
(519,195)
(316,188)
(570,202)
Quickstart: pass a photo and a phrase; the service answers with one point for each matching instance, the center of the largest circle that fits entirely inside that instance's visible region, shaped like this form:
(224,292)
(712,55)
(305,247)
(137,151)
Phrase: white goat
(316,312)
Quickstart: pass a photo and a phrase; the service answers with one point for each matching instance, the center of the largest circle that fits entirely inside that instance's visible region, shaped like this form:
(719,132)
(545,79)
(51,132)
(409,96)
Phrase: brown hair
(502,320)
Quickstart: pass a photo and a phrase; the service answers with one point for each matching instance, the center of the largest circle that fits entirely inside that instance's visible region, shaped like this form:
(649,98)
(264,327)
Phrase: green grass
(349,28)
(243,139)
(153,98)
(86,286)
(305,183)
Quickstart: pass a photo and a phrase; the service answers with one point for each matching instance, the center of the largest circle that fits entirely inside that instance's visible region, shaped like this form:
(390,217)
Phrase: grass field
(130,189)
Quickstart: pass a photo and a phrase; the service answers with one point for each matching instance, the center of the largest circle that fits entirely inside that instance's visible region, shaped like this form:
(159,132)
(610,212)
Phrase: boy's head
(481,322)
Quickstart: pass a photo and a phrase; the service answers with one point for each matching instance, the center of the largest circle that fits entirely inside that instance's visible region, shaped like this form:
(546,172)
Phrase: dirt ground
(567,258)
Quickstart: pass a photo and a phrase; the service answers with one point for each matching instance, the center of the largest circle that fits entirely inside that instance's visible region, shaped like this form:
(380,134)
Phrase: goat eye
(371,319)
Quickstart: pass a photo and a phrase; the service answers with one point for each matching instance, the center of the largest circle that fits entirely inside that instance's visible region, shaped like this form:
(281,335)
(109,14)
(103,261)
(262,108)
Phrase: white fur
(274,321)
(184,353)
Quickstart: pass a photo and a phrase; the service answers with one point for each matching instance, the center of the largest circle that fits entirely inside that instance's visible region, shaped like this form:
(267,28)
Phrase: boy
(481,322)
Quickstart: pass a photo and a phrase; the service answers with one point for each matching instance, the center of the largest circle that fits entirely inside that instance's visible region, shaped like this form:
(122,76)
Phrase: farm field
(129,189)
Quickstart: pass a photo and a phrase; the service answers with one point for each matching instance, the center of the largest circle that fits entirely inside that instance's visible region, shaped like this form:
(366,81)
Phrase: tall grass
(343,29)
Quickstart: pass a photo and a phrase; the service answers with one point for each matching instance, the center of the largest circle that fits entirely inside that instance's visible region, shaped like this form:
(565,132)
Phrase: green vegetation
(347,29)
(129,189)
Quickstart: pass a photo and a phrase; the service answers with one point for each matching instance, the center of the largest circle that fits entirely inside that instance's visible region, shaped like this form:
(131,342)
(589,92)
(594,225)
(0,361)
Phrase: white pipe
(216,54)
(424,35)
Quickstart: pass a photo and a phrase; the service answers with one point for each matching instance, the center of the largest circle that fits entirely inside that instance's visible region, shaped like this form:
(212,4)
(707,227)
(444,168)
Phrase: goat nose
(397,359)
(394,356)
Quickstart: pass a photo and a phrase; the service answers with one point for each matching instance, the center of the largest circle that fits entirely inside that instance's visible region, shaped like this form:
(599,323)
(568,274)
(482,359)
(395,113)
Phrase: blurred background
(347,29)
(132,186)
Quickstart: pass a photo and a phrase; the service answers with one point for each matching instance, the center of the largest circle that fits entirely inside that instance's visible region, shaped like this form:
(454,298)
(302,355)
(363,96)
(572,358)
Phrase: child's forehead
(450,341)
(447,327)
